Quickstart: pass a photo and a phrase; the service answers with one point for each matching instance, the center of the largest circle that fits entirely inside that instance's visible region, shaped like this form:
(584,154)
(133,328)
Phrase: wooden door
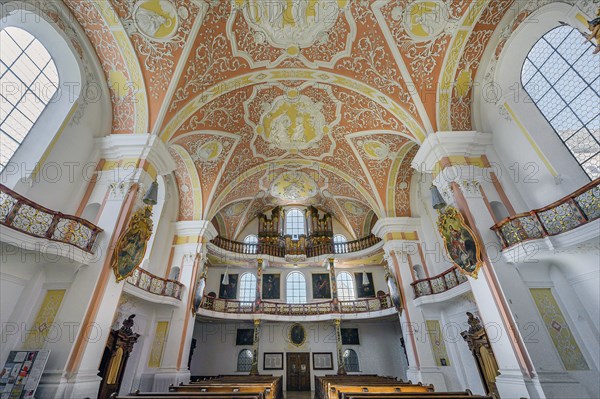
(298,371)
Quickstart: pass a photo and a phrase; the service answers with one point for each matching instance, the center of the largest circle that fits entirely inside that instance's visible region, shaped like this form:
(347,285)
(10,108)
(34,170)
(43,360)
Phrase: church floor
(299,394)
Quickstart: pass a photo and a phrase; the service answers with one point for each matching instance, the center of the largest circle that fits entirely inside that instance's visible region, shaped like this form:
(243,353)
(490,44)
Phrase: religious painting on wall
(349,336)
(364,290)
(321,286)
(131,247)
(271,286)
(229,291)
(245,336)
(297,335)
(460,242)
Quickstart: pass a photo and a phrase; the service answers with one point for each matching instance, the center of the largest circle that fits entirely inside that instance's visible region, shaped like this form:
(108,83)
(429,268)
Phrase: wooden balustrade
(282,249)
(440,283)
(21,214)
(149,282)
(566,214)
(297,309)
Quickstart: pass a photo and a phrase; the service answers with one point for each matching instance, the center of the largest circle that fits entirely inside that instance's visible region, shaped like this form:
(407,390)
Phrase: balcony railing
(297,309)
(156,285)
(566,214)
(440,283)
(282,249)
(19,213)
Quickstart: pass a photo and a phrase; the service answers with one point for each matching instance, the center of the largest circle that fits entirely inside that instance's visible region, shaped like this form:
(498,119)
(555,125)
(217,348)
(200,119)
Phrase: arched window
(252,244)
(29,80)
(351,360)
(562,77)
(339,239)
(248,288)
(294,222)
(295,288)
(244,361)
(345,286)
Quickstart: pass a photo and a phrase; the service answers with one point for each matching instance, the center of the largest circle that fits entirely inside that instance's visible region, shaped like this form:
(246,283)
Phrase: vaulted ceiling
(292,101)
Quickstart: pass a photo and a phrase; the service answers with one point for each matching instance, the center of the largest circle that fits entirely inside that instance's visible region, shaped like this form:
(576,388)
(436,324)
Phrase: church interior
(328,199)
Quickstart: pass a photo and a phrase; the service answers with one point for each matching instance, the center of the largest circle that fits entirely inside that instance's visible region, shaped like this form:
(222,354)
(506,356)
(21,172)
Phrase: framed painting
(229,291)
(364,290)
(273,361)
(349,336)
(321,286)
(322,361)
(460,242)
(245,336)
(271,284)
(297,334)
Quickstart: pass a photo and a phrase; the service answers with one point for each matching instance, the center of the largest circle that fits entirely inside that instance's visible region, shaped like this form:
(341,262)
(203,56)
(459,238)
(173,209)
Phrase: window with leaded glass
(562,77)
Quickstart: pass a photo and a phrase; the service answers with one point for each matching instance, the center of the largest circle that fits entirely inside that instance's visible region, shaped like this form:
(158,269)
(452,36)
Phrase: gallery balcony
(300,249)
(270,310)
(160,290)
(32,225)
(440,288)
(568,221)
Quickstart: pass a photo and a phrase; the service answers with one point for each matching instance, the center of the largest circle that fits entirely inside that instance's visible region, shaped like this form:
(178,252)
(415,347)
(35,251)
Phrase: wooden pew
(414,395)
(186,395)
(329,387)
(269,386)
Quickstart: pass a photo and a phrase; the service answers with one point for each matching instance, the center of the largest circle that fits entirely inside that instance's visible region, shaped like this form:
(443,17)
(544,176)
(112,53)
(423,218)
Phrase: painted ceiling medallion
(293,121)
(424,19)
(375,149)
(156,19)
(292,24)
(208,152)
(294,186)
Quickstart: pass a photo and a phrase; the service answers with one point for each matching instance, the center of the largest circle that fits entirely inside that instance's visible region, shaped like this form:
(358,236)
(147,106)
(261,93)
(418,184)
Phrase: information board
(21,373)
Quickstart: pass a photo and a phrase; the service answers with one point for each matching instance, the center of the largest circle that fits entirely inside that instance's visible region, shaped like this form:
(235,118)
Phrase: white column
(193,236)
(91,301)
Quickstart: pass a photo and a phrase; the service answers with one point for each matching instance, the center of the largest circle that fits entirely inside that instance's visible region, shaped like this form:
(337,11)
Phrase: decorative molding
(138,146)
(396,225)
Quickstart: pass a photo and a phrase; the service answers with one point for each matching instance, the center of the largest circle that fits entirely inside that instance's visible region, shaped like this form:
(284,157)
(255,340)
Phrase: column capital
(138,146)
(401,248)
(396,227)
(448,148)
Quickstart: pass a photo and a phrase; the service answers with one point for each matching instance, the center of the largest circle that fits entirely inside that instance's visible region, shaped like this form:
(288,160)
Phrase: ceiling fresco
(275,102)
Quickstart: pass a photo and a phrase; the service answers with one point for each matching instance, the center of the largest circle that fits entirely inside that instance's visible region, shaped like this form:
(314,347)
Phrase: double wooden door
(298,371)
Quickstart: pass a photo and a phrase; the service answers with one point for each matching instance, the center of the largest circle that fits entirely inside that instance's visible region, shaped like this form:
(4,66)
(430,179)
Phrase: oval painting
(297,334)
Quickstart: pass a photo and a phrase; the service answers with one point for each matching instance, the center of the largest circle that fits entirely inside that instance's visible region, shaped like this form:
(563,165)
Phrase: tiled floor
(298,395)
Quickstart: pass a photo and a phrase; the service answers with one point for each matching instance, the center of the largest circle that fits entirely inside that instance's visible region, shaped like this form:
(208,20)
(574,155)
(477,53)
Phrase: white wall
(379,351)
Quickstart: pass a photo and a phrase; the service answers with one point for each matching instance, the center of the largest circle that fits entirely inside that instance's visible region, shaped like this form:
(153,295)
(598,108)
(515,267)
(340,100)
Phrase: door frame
(287,370)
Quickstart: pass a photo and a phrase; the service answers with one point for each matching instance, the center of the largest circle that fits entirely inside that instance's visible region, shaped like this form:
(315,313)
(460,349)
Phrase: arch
(339,239)
(174,273)
(295,224)
(419,273)
(499,211)
(248,288)
(557,74)
(112,45)
(30,81)
(351,360)
(295,288)
(244,360)
(345,286)
(252,241)
(62,103)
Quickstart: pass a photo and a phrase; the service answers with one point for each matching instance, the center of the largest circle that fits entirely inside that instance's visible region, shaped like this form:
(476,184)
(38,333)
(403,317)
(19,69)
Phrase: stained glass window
(351,360)
(244,362)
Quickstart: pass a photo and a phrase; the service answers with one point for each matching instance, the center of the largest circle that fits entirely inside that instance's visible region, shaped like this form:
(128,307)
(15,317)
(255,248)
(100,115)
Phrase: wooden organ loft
(317,240)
